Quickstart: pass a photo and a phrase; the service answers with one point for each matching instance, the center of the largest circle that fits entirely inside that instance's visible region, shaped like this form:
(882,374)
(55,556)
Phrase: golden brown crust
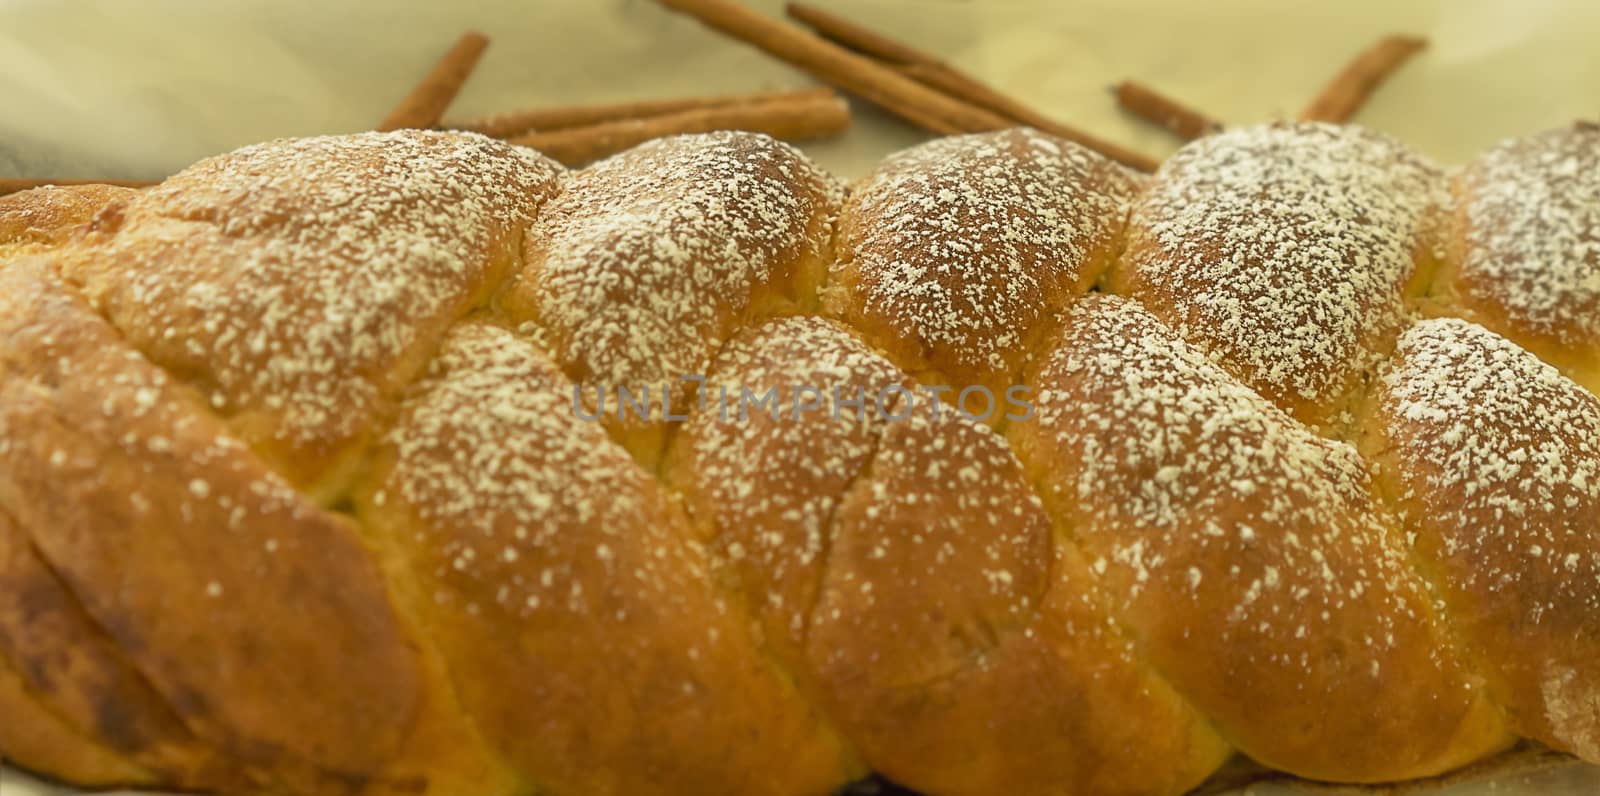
(1524,247)
(502,599)
(51,748)
(259,619)
(762,477)
(70,668)
(1248,556)
(40,219)
(1494,460)
(649,261)
(299,284)
(575,614)
(35,731)
(951,254)
(943,594)
(907,575)
(1285,252)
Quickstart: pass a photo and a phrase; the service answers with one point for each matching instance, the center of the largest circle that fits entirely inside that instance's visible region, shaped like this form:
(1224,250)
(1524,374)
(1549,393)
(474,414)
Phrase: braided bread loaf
(309,482)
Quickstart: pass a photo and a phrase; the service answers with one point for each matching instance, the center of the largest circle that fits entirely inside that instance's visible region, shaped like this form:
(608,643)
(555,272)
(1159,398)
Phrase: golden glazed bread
(47,217)
(312,476)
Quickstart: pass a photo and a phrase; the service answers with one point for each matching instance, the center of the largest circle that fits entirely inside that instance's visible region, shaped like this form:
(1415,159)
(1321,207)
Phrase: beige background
(112,89)
(141,89)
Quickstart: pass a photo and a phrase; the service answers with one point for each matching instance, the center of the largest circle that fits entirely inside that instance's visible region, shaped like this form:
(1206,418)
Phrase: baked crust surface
(314,478)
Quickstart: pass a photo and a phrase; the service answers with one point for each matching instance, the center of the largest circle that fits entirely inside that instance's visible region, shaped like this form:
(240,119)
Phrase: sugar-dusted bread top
(1285,252)
(314,477)
(1525,246)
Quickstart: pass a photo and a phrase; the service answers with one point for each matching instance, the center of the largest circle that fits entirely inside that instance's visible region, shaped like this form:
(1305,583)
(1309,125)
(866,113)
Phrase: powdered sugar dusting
(293,277)
(770,485)
(563,586)
(646,262)
(41,218)
(734,444)
(1532,239)
(301,286)
(977,552)
(963,244)
(1195,482)
(489,451)
(1248,554)
(1283,250)
(1510,452)
(1572,706)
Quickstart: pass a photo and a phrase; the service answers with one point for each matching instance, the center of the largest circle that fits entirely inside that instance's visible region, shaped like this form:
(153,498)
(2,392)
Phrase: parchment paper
(103,88)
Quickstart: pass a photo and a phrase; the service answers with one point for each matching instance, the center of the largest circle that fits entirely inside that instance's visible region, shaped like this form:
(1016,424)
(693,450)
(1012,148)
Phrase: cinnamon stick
(510,123)
(874,81)
(790,118)
(1153,106)
(857,37)
(933,72)
(837,66)
(1349,90)
(426,103)
(959,85)
(11,185)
